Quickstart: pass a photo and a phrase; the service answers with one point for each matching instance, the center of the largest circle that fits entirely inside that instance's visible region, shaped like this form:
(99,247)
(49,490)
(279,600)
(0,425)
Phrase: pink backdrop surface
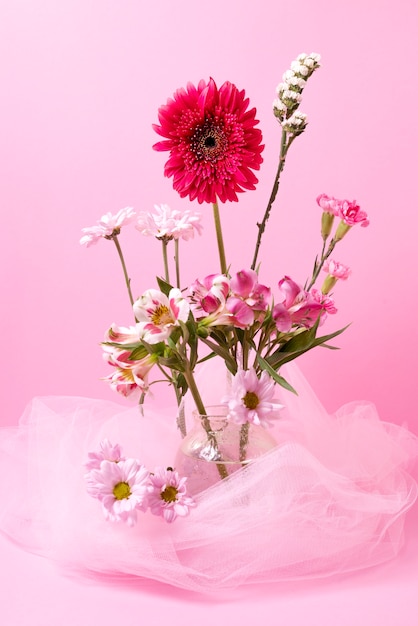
(81,83)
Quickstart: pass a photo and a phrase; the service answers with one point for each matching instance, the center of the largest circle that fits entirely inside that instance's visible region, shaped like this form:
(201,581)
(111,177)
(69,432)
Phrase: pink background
(81,83)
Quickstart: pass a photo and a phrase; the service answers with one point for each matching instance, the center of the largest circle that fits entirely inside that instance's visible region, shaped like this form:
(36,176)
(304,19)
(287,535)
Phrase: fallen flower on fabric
(107,452)
(122,488)
(168,495)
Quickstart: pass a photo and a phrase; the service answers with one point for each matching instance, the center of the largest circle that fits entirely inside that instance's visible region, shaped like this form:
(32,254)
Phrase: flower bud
(341,231)
(328,284)
(327,221)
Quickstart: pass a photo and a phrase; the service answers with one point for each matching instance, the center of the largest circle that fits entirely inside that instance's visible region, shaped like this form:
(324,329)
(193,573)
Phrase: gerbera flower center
(169,494)
(251,400)
(209,142)
(162,316)
(121,491)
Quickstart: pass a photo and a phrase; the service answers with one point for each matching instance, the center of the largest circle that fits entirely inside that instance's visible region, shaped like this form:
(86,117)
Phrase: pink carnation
(351,214)
(348,211)
(299,307)
(336,269)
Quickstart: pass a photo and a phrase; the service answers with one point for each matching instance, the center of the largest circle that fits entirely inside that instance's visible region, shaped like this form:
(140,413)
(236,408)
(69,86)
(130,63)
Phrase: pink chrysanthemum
(122,489)
(251,399)
(168,496)
(213,142)
(107,452)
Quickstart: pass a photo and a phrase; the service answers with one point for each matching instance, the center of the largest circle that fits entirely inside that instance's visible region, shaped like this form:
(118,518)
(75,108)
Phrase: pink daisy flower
(122,488)
(251,399)
(168,496)
(212,140)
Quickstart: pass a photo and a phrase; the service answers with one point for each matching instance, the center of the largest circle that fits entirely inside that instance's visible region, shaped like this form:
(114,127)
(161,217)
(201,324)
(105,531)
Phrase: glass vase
(216,447)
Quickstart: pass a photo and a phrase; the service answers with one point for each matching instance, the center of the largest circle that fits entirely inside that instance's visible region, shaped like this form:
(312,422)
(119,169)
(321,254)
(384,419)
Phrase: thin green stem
(177,262)
(219,237)
(165,259)
(318,266)
(188,375)
(125,272)
(284,147)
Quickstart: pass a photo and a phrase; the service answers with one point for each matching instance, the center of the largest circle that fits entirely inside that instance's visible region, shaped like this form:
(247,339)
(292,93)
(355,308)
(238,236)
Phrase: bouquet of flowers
(214,147)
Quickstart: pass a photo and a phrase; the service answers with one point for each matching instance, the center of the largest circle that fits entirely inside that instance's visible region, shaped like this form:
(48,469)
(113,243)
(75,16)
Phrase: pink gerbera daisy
(213,142)
(168,496)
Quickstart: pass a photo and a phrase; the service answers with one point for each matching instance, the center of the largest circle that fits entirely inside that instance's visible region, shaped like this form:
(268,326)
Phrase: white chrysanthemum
(107,226)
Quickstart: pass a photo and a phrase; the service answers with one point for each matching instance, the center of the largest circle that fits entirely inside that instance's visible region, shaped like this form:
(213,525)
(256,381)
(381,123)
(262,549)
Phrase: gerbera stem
(165,259)
(125,272)
(188,375)
(219,237)
(177,262)
(284,147)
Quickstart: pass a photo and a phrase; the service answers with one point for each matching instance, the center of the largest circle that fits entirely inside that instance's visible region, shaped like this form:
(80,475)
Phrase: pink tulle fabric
(330,498)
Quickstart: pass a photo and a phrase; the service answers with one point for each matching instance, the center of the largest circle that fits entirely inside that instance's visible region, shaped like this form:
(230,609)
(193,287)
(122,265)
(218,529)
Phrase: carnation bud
(328,284)
(326,224)
(341,231)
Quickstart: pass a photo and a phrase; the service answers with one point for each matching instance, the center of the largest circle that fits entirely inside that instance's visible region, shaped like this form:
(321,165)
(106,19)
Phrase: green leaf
(224,354)
(164,286)
(275,376)
(138,353)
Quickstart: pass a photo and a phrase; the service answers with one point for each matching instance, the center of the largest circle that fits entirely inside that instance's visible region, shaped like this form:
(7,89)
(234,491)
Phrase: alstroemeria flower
(167,223)
(245,285)
(213,143)
(108,226)
(248,298)
(168,494)
(208,295)
(251,399)
(129,377)
(122,488)
(299,307)
(158,314)
(124,334)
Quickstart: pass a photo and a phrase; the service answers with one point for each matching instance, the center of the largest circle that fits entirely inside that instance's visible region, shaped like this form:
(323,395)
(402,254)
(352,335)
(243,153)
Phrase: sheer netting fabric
(330,498)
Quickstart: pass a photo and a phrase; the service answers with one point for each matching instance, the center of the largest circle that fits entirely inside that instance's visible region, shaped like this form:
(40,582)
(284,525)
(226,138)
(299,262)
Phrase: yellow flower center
(121,491)
(169,494)
(162,316)
(251,400)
